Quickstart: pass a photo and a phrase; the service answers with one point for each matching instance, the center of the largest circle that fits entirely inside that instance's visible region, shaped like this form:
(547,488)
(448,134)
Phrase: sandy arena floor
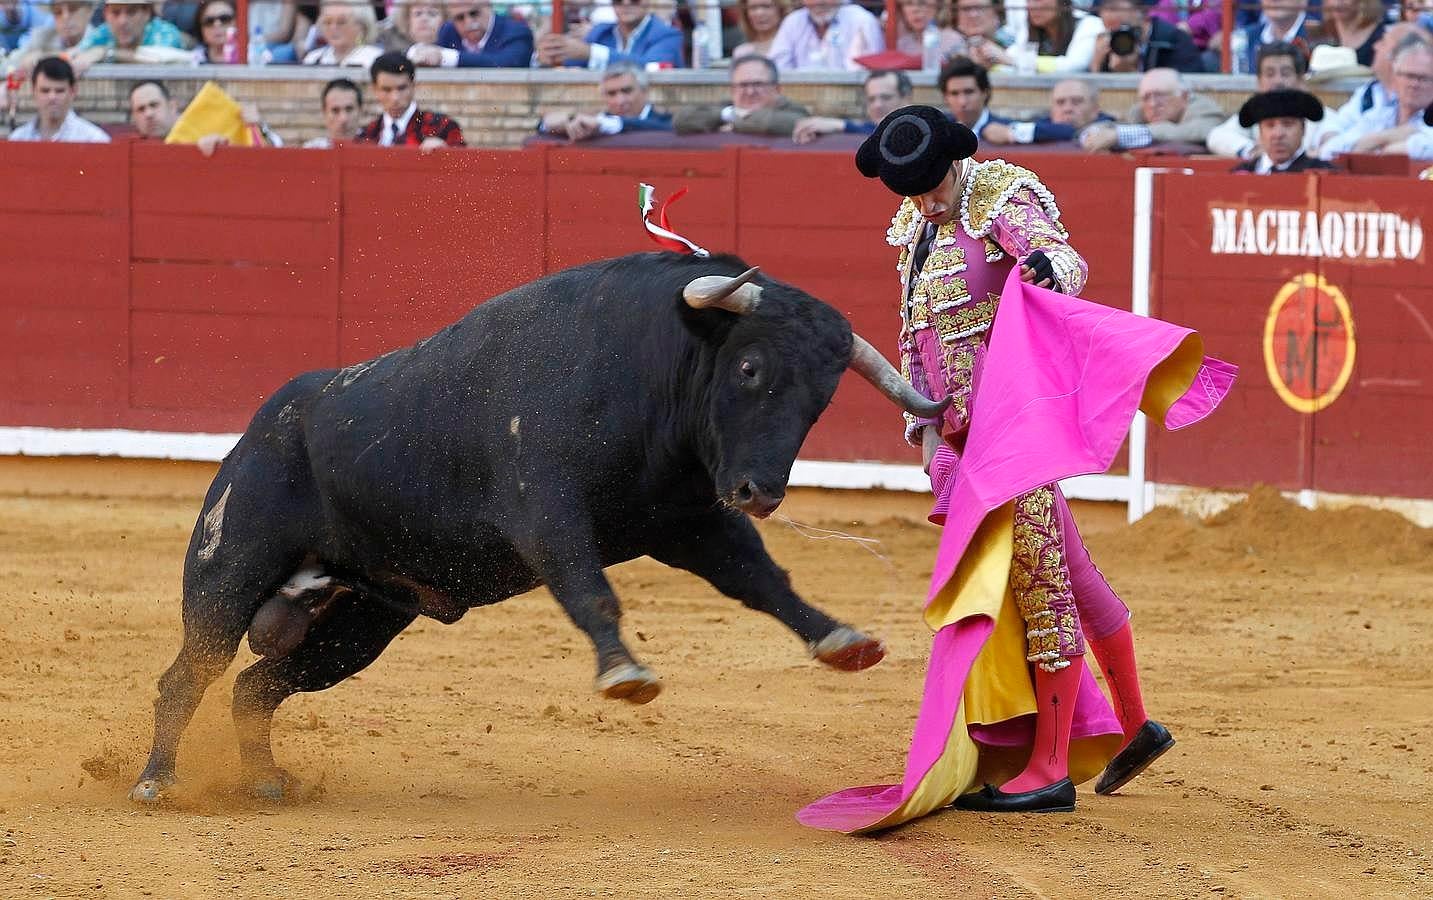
(1287,650)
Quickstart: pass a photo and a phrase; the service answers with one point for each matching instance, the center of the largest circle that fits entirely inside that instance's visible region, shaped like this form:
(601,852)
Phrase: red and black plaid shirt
(424,124)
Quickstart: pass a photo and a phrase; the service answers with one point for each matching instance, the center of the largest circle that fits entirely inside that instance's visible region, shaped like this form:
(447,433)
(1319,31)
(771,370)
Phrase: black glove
(1040,264)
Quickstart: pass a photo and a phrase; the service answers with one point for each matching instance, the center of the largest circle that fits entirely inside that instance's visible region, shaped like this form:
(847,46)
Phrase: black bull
(634,406)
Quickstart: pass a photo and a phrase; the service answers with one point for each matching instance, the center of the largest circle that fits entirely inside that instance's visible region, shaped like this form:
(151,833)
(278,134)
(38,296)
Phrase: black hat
(1281,104)
(912,149)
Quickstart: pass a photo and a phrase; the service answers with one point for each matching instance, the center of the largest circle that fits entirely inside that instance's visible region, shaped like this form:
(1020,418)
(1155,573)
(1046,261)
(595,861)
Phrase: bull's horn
(868,362)
(731,294)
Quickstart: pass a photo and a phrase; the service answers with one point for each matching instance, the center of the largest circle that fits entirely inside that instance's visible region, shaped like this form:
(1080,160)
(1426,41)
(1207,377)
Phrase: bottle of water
(1238,50)
(259,54)
(701,47)
(930,49)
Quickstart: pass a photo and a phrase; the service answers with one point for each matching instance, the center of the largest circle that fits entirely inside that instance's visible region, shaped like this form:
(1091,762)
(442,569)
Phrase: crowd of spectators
(1289,46)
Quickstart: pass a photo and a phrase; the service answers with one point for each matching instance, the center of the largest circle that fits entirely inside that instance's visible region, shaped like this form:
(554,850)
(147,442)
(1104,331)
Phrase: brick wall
(499,108)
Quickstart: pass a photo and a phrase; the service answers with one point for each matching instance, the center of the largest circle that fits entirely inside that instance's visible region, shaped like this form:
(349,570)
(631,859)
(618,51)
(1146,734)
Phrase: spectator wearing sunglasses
(213,31)
(636,37)
(474,35)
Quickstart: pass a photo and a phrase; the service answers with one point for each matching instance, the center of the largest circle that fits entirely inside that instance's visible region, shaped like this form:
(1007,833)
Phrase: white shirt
(358,56)
(385,136)
(1379,118)
(610,124)
(318,143)
(1267,36)
(1265,166)
(797,46)
(73,130)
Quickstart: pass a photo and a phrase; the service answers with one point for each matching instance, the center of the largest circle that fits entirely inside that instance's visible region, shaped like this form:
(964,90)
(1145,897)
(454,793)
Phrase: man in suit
(965,85)
(884,91)
(1279,20)
(1281,116)
(757,104)
(1135,42)
(1074,106)
(624,96)
(475,36)
(403,124)
(636,37)
(1167,111)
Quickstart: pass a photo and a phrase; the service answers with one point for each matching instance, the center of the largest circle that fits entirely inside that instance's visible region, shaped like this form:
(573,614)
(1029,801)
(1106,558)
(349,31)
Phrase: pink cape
(1056,393)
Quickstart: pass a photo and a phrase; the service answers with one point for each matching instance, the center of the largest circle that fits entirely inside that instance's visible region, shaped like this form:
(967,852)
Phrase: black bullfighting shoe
(1057,797)
(1148,744)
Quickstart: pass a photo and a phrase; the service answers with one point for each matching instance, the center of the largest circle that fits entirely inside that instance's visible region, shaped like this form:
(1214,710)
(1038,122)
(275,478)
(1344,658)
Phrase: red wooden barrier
(1291,421)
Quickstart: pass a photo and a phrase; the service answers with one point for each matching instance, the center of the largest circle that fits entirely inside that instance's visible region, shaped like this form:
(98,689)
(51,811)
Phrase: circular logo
(1308,343)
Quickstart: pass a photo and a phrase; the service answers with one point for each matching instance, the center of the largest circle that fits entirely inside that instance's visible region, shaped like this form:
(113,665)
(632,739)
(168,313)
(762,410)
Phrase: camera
(1124,40)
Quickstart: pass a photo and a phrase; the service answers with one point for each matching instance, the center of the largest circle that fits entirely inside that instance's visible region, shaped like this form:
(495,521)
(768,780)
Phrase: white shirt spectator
(318,143)
(1420,144)
(1371,96)
(73,130)
(1081,50)
(1376,119)
(358,56)
(797,46)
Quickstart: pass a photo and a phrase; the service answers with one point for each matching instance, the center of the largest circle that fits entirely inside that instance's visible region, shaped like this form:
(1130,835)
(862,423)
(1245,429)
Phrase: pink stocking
(1115,655)
(1055,710)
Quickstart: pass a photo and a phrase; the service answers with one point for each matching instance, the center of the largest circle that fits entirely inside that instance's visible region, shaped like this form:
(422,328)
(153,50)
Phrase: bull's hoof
(149,791)
(277,786)
(630,682)
(849,650)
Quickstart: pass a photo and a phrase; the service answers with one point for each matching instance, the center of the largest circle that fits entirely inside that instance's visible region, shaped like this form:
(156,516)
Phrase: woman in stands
(1064,37)
(213,31)
(348,30)
(412,22)
(981,23)
(759,21)
(1351,23)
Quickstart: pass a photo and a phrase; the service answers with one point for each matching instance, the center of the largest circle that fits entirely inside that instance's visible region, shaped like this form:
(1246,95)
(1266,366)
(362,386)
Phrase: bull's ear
(711,326)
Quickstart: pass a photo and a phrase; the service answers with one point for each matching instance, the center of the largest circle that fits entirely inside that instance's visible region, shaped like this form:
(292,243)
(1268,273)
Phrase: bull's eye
(748,368)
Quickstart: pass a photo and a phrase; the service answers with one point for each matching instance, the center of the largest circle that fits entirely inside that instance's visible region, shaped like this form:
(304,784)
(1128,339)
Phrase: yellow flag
(211,112)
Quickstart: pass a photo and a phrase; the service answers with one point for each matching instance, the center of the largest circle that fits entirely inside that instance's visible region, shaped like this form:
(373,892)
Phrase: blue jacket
(654,42)
(1049,132)
(1253,39)
(655,120)
(509,45)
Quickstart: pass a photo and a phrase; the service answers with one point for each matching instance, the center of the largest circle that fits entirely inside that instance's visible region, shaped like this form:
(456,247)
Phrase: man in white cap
(131,33)
(1281,118)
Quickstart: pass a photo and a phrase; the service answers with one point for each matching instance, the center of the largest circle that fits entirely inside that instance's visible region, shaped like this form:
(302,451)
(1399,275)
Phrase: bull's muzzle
(756,501)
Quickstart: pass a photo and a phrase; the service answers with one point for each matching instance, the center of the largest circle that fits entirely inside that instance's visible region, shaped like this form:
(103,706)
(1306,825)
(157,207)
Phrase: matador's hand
(1037,270)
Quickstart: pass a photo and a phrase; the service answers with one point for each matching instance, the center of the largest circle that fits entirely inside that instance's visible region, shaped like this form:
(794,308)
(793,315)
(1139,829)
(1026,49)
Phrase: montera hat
(913,148)
(1284,103)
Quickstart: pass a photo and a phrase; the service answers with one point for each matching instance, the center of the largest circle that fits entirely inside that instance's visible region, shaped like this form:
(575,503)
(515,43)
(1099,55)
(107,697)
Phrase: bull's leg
(572,570)
(725,549)
(345,641)
(209,646)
